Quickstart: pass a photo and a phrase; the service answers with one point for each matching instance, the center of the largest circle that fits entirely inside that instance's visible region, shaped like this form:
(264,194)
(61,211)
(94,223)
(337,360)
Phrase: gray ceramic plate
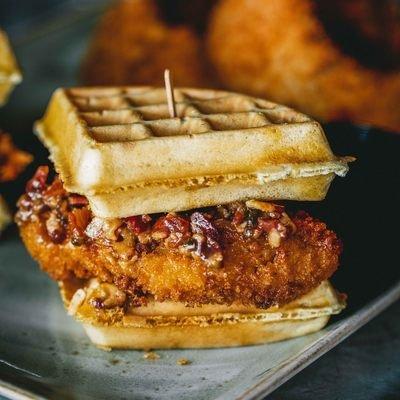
(45,354)
(43,351)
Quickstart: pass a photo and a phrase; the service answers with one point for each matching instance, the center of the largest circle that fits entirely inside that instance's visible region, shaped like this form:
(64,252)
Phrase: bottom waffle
(172,325)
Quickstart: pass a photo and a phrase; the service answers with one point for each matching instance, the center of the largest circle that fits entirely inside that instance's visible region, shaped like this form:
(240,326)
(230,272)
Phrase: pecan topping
(55,228)
(78,220)
(76,200)
(67,216)
(106,295)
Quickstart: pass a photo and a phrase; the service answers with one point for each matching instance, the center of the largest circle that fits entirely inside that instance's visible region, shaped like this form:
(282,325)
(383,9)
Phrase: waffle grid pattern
(131,114)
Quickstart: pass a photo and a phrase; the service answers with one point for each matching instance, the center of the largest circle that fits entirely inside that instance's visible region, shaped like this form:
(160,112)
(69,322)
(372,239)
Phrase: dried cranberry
(203,227)
(138,223)
(176,224)
(177,228)
(38,181)
(201,224)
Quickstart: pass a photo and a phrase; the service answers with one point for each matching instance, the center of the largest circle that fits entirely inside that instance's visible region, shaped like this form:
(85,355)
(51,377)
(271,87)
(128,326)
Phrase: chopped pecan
(106,295)
(269,208)
(78,220)
(55,195)
(274,238)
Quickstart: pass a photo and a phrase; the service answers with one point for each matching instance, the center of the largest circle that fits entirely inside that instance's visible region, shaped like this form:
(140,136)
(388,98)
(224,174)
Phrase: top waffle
(9,72)
(120,148)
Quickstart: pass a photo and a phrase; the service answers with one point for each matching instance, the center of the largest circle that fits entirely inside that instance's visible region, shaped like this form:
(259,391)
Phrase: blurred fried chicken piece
(133,45)
(231,253)
(280,49)
(12,160)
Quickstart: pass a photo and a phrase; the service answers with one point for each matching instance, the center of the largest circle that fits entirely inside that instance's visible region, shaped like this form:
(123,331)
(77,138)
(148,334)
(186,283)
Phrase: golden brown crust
(199,337)
(279,49)
(251,272)
(133,45)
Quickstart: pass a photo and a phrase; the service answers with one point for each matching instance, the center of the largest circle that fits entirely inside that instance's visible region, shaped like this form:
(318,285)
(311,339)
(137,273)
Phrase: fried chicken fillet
(253,253)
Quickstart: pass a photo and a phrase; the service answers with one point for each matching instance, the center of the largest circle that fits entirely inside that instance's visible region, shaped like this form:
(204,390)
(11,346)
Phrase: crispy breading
(252,272)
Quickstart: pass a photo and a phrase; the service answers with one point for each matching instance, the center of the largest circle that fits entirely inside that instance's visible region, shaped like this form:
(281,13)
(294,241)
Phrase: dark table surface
(365,366)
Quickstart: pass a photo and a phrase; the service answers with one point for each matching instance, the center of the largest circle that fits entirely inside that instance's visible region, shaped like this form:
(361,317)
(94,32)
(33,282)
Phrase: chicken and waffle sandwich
(168,231)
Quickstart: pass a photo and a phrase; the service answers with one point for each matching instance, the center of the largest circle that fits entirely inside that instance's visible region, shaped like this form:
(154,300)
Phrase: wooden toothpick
(169,88)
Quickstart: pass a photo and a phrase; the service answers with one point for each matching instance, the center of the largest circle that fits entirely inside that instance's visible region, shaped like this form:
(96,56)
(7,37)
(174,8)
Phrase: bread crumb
(183,361)
(150,355)
(104,348)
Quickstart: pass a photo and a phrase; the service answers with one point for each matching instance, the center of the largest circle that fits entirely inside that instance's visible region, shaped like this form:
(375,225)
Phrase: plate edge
(344,329)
